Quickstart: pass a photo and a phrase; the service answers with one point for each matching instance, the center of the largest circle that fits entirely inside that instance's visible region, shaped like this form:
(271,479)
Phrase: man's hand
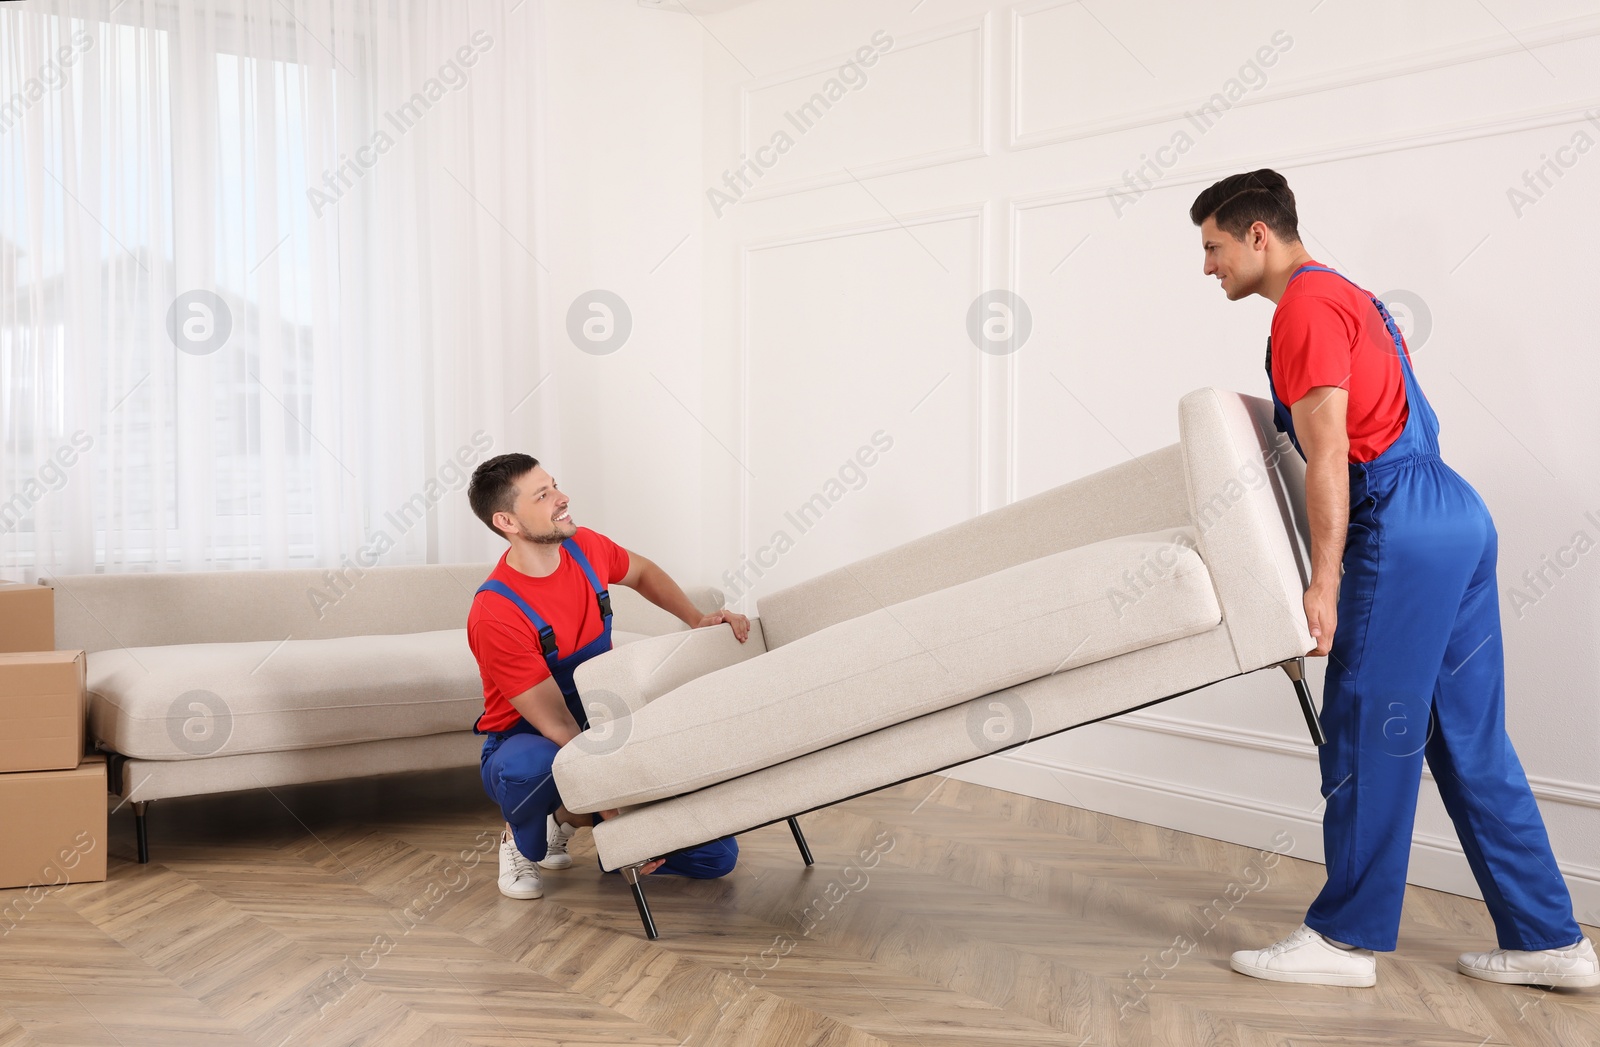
(1322,615)
(740,624)
(648,867)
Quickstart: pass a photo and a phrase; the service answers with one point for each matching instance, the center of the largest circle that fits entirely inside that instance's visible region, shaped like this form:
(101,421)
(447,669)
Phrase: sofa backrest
(1144,494)
(1245,484)
(102,611)
(1232,477)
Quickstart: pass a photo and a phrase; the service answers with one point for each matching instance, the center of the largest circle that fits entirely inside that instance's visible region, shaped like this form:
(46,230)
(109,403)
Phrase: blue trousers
(1416,671)
(515,766)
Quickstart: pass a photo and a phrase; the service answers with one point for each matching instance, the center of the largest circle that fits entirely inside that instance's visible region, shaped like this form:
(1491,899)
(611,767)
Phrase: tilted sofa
(212,682)
(1175,570)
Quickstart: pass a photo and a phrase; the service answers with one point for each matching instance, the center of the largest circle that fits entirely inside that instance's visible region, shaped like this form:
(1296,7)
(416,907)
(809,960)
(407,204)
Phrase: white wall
(979,154)
(624,107)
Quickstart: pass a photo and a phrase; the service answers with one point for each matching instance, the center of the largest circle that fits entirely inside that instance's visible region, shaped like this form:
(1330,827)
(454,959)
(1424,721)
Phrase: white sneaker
(519,877)
(559,836)
(1574,967)
(1305,956)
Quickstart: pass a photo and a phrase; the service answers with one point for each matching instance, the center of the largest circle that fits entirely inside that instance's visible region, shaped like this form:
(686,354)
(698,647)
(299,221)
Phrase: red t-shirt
(1326,332)
(506,643)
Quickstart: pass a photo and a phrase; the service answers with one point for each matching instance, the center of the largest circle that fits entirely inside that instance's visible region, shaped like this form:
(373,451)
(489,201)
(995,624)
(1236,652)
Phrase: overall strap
(547,635)
(601,594)
(1388,321)
(1417,403)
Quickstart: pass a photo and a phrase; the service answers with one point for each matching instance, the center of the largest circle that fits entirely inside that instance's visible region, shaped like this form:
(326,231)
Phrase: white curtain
(268,278)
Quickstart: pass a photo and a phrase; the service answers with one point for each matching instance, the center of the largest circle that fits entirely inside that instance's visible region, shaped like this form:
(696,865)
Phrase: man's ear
(505,524)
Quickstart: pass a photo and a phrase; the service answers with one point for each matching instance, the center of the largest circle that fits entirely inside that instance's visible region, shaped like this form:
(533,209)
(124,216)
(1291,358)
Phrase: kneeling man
(544,611)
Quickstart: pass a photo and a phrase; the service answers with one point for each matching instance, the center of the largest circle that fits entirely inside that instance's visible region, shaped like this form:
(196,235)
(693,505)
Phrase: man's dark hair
(494,486)
(1239,201)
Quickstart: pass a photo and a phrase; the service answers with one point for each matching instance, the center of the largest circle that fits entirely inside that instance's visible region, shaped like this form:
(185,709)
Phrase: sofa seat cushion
(190,701)
(901,661)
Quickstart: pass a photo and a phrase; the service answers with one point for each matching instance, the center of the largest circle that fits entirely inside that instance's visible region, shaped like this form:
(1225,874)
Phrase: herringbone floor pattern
(939,914)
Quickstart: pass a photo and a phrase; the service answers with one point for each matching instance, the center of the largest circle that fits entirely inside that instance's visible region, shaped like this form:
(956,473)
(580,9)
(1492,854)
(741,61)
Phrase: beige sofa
(218,681)
(1145,581)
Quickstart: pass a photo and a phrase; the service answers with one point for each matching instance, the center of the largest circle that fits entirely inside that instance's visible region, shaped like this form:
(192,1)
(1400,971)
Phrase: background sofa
(1142,582)
(219,681)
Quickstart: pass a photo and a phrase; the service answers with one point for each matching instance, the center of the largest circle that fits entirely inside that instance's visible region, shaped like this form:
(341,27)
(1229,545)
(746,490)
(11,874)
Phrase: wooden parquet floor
(939,914)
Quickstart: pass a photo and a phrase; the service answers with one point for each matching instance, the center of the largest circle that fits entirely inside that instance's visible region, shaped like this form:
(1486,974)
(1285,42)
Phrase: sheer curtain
(268,278)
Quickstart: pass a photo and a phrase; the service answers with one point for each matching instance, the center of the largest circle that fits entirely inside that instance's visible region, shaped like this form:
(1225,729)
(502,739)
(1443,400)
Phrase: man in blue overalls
(545,610)
(1412,628)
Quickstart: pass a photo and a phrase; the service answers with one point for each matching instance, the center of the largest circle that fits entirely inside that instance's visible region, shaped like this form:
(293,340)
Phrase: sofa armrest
(1246,489)
(625,679)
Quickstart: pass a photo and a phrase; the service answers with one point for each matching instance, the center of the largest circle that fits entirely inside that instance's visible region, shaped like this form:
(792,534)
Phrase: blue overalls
(515,763)
(1416,669)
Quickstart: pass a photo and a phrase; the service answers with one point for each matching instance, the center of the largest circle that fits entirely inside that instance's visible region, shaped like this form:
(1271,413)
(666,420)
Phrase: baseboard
(1555,790)
(1436,862)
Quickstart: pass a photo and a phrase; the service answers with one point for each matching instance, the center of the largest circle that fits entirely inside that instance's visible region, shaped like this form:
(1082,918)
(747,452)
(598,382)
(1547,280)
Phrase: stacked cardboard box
(52,798)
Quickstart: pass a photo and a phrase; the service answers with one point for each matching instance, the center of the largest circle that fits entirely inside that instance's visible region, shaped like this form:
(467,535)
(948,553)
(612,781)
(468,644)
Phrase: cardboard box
(27,617)
(54,827)
(42,711)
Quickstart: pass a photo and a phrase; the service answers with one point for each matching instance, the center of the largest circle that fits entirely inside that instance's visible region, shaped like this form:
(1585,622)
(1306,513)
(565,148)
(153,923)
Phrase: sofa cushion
(189,701)
(901,661)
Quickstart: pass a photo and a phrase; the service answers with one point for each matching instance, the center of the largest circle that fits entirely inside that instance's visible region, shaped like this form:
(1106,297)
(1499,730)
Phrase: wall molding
(1447,134)
(1437,863)
(958,212)
(1549,34)
(765,190)
(931,216)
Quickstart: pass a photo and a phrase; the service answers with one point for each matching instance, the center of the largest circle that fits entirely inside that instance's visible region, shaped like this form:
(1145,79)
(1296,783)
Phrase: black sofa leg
(631,874)
(1296,668)
(141,830)
(800,840)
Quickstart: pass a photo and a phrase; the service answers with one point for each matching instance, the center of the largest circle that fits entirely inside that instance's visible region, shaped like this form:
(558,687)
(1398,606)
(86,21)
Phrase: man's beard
(552,538)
